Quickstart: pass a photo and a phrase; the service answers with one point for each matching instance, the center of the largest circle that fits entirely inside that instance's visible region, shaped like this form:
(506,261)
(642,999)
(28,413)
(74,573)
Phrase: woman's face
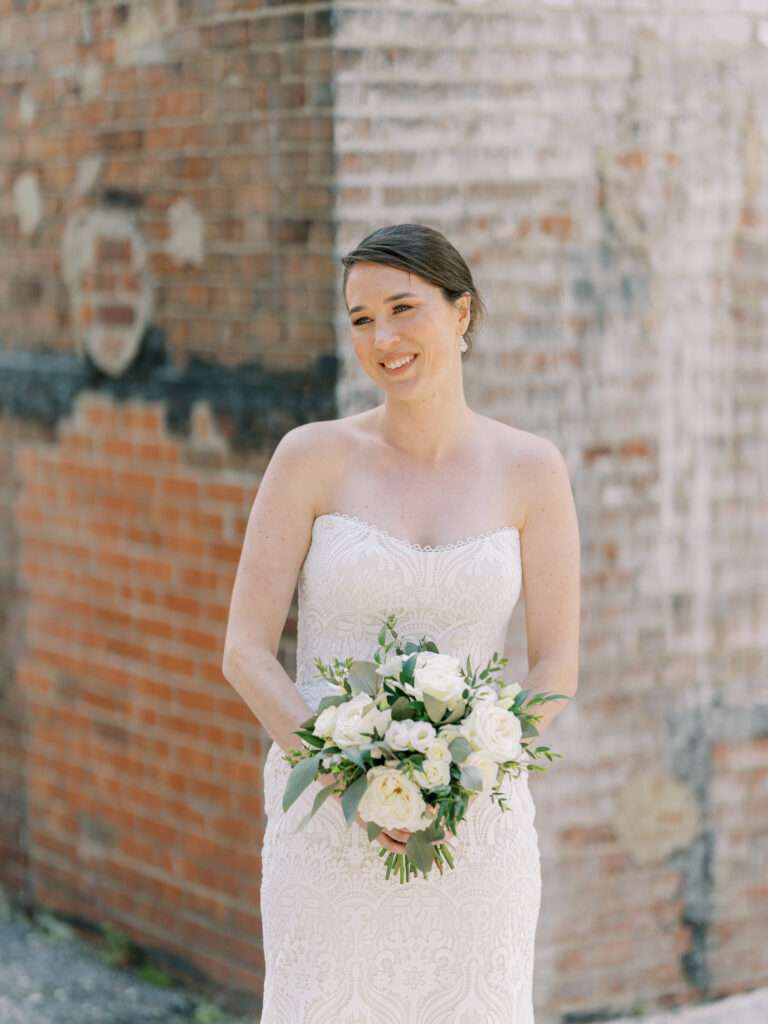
(394,313)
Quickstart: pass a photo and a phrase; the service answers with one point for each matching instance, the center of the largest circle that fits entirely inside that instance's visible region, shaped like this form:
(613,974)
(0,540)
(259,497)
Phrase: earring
(463,346)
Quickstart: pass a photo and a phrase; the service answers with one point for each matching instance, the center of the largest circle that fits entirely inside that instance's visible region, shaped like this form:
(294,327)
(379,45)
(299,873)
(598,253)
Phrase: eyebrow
(400,295)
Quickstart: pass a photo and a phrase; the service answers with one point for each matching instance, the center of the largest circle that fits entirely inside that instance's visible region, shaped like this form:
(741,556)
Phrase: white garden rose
(433,774)
(507,694)
(326,722)
(422,734)
(488,768)
(448,733)
(493,729)
(378,718)
(398,735)
(437,675)
(353,727)
(393,801)
(438,750)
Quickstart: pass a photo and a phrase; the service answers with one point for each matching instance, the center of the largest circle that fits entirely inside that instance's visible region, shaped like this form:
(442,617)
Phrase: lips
(400,355)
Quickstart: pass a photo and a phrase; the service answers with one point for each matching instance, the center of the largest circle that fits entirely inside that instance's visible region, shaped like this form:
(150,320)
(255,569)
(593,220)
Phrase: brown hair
(424,251)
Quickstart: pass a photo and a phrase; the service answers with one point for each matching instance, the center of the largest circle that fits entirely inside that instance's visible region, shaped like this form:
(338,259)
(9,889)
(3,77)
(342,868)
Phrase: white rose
(437,675)
(326,722)
(378,718)
(393,801)
(507,694)
(438,750)
(493,729)
(352,727)
(449,732)
(488,768)
(433,774)
(398,735)
(422,734)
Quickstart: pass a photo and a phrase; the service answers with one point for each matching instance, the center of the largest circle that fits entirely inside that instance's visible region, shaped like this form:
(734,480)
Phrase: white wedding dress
(342,944)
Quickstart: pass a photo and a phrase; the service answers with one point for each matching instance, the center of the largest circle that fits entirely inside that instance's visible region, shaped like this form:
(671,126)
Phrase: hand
(394,839)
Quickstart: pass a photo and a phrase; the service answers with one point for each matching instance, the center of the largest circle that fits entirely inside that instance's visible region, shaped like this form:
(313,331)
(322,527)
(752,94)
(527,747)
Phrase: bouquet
(412,736)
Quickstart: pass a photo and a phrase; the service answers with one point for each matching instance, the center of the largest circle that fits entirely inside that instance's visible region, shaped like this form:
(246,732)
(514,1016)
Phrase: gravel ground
(48,975)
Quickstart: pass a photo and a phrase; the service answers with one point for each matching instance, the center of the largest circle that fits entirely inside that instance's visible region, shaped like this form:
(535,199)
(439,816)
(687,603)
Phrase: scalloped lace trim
(412,544)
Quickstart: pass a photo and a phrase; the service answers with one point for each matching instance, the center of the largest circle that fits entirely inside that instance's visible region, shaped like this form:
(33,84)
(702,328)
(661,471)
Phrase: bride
(426,508)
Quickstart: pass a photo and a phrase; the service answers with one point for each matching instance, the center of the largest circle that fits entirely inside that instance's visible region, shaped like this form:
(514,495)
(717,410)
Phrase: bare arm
(277,538)
(552,583)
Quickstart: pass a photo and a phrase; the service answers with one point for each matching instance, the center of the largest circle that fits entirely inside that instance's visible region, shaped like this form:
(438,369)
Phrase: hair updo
(424,251)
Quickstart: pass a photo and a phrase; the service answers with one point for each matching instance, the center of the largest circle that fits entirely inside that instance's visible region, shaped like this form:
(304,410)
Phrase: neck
(428,431)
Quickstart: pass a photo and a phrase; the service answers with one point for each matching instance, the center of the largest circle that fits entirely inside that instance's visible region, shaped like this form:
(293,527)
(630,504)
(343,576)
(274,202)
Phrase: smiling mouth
(402,366)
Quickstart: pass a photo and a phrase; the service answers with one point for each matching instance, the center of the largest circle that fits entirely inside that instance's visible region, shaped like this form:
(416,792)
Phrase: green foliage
(353,794)
(154,976)
(117,948)
(302,775)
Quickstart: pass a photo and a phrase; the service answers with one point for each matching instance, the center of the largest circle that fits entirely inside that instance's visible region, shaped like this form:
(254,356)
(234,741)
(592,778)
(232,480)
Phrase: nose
(384,338)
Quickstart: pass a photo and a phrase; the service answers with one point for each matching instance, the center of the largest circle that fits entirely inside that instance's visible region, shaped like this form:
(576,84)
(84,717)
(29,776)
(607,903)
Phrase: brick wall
(178,180)
(602,168)
(166,315)
(142,766)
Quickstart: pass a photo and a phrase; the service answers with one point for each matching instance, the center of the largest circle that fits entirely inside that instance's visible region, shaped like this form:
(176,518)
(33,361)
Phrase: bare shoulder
(321,446)
(533,464)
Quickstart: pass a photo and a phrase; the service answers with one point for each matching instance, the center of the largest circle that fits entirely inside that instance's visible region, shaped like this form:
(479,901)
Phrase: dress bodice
(461,595)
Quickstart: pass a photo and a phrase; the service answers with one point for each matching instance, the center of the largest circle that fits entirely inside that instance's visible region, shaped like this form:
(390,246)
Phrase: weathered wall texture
(603,168)
(177,181)
(166,314)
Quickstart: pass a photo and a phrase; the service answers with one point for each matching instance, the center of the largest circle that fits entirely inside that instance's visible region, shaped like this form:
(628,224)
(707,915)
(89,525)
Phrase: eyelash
(400,305)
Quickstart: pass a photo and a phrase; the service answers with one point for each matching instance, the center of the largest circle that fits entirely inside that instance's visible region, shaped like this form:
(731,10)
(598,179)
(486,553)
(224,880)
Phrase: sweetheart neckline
(451,545)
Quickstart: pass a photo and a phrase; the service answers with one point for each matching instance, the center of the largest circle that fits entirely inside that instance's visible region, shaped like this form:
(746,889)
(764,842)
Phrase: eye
(400,305)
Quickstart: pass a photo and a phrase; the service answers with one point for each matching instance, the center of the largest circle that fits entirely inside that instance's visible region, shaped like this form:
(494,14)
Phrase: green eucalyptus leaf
(328,702)
(406,672)
(400,709)
(358,756)
(363,678)
(420,850)
(353,794)
(471,777)
(320,799)
(310,737)
(373,830)
(460,749)
(302,774)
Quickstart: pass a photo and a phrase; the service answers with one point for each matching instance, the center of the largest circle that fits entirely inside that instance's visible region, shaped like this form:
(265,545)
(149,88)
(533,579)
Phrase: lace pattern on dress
(339,939)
